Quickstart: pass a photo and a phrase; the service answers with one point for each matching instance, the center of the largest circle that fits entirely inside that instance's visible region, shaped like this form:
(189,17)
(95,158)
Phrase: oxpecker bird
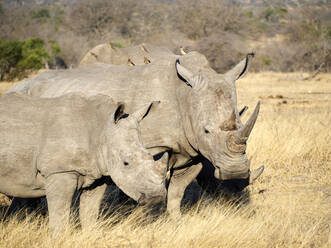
(146,60)
(182,50)
(130,63)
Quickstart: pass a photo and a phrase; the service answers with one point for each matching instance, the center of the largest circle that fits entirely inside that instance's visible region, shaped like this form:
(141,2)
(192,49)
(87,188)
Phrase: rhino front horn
(243,134)
(255,174)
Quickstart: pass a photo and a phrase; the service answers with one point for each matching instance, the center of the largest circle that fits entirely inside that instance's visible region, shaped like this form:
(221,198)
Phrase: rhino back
(107,53)
(135,86)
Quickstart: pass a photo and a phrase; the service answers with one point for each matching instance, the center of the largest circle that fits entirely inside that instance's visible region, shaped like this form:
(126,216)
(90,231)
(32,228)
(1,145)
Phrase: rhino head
(212,123)
(130,165)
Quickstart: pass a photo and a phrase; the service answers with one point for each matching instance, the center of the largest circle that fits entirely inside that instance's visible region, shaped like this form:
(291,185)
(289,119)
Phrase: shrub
(10,55)
(55,50)
(33,54)
(16,57)
(119,44)
(41,14)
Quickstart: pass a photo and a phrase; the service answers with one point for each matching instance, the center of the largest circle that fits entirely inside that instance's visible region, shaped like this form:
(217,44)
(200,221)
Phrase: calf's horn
(143,112)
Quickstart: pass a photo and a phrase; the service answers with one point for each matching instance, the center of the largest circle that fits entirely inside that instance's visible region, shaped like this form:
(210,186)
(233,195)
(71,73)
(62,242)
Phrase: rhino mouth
(225,175)
(227,167)
(250,176)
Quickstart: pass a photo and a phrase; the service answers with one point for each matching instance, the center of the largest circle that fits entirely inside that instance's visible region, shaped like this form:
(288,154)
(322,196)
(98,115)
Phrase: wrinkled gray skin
(53,147)
(197,116)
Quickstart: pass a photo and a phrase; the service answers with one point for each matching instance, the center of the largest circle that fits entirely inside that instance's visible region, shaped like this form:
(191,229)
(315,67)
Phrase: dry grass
(6,85)
(289,205)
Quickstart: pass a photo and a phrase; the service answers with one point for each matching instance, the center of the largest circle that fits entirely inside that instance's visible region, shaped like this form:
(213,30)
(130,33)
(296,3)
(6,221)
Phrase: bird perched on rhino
(130,63)
(146,60)
(182,50)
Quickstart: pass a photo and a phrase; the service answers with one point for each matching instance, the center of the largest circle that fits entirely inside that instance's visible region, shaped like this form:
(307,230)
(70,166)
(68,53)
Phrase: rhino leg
(89,207)
(178,183)
(60,189)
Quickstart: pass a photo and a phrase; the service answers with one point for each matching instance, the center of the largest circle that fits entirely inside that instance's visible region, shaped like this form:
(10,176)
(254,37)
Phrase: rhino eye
(125,163)
(206,130)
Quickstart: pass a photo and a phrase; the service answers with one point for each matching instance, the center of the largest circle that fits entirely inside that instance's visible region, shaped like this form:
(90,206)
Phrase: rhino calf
(53,147)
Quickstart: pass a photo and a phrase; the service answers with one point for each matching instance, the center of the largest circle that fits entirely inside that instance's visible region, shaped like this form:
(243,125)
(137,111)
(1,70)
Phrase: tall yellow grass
(290,205)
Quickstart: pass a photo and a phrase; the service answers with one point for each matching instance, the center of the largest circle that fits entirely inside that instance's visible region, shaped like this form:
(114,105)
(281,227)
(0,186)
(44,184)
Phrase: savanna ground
(290,204)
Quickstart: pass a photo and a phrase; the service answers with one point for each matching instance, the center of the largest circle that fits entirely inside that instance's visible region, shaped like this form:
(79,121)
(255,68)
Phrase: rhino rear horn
(243,110)
(240,69)
(243,134)
(144,111)
(255,174)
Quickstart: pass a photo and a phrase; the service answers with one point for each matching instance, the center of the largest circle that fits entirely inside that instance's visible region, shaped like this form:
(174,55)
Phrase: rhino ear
(144,111)
(240,69)
(119,112)
(183,72)
(195,81)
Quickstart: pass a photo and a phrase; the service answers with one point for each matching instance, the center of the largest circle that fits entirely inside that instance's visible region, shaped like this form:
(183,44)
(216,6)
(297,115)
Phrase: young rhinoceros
(56,146)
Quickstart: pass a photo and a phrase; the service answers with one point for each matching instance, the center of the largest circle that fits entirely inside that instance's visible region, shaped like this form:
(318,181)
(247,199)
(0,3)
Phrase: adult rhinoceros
(197,117)
(54,147)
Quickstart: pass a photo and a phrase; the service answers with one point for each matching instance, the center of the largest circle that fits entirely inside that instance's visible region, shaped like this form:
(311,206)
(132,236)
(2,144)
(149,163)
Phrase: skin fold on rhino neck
(191,145)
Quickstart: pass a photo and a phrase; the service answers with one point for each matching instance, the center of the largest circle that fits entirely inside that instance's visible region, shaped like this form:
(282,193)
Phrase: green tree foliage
(10,55)
(41,14)
(55,50)
(16,57)
(33,54)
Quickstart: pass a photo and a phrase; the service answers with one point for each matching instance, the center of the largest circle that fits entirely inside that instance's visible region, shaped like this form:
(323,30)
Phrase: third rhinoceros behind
(55,146)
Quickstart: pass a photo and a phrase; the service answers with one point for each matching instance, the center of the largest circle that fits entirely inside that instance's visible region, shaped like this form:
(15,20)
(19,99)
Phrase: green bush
(41,14)
(268,13)
(16,57)
(274,13)
(328,32)
(10,51)
(119,44)
(33,54)
(266,61)
(10,55)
